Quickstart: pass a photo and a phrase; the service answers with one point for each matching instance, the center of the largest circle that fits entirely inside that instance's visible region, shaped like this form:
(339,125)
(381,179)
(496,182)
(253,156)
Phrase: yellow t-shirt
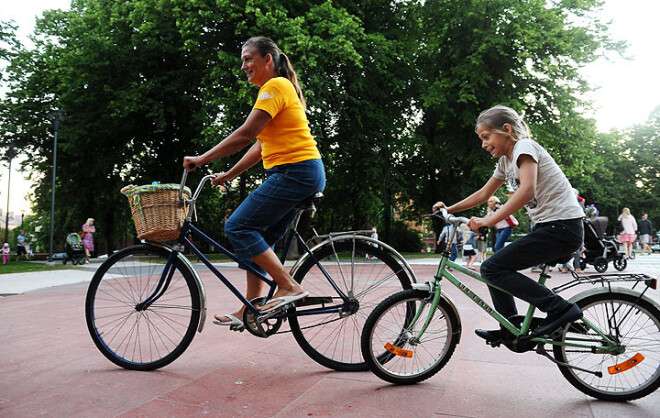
(286,138)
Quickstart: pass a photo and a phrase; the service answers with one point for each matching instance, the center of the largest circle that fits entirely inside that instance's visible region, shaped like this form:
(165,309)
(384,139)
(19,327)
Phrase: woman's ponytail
(285,69)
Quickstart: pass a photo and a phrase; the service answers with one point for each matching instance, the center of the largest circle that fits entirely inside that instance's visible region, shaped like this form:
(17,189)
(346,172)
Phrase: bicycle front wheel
(366,275)
(389,344)
(136,338)
(635,325)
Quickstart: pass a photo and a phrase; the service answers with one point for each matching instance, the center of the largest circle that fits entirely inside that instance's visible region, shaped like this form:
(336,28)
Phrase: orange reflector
(398,351)
(628,364)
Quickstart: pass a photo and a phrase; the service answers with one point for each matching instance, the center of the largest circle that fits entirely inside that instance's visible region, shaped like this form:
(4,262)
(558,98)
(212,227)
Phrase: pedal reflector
(628,364)
(398,351)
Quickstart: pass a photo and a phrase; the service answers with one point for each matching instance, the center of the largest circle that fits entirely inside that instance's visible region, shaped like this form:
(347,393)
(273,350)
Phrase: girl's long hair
(495,118)
(283,67)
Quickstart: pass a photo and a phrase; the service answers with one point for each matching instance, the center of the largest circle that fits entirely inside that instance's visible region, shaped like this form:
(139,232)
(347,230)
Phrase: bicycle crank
(261,325)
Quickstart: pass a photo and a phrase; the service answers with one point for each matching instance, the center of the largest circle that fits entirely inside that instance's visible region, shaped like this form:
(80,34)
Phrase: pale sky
(627,90)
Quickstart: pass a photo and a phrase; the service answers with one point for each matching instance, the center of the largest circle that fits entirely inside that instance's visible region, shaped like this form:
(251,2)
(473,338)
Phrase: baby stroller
(74,249)
(599,250)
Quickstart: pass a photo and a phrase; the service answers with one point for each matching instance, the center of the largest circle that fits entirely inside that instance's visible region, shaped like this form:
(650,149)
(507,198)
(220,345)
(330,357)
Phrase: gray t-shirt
(555,199)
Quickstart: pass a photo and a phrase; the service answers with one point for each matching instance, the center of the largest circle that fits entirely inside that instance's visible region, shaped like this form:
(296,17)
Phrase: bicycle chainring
(256,325)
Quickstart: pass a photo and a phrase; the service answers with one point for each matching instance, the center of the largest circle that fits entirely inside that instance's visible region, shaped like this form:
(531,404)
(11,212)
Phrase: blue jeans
(548,242)
(503,236)
(263,218)
(453,252)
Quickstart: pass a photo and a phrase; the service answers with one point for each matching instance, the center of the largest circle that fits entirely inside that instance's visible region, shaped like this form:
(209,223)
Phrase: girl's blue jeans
(263,218)
(548,242)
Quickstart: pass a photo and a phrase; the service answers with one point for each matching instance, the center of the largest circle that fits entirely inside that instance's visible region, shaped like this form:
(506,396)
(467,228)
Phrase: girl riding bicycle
(293,166)
(544,190)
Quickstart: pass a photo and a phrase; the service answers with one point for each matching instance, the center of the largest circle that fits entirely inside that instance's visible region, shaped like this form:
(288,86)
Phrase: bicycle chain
(310,326)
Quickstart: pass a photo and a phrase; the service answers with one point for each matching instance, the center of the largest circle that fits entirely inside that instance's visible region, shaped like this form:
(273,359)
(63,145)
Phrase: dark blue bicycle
(146,302)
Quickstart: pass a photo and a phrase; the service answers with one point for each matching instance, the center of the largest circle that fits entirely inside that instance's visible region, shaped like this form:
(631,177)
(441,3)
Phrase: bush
(405,239)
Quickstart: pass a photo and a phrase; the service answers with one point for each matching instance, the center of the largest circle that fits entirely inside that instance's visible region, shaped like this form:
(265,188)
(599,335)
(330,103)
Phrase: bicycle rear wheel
(141,339)
(367,275)
(635,324)
(387,340)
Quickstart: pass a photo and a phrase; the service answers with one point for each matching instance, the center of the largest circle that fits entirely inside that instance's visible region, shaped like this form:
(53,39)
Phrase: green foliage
(404,238)
(393,89)
(627,173)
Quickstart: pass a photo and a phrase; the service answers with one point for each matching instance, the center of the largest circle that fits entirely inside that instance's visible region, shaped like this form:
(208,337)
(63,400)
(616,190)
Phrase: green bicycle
(611,353)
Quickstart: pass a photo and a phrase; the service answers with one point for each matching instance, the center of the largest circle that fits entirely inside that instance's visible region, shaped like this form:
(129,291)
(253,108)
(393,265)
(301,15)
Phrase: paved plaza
(50,367)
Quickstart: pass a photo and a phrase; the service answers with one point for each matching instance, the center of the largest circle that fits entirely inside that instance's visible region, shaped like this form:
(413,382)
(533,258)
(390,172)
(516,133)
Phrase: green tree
(525,55)
(628,174)
(127,90)
(393,89)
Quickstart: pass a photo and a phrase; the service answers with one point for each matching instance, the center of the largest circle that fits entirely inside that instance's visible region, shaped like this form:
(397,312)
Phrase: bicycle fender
(452,306)
(428,287)
(602,290)
(351,236)
(198,280)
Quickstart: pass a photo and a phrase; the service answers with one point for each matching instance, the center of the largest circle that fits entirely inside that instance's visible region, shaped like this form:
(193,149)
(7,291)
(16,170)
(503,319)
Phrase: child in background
(5,253)
(482,245)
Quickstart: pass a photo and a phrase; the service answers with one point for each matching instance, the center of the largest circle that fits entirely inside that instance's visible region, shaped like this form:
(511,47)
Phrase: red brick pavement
(50,367)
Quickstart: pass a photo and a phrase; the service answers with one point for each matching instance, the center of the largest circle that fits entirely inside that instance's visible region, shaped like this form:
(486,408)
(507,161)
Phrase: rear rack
(607,279)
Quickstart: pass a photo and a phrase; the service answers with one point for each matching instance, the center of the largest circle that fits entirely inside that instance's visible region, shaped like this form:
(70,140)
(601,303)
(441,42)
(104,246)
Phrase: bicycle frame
(183,242)
(436,289)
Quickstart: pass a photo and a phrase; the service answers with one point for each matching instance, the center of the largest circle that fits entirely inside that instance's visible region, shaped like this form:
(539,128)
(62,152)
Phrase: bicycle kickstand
(540,349)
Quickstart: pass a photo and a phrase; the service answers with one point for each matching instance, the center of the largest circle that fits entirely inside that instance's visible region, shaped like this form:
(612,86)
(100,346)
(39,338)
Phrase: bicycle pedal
(237,328)
(494,344)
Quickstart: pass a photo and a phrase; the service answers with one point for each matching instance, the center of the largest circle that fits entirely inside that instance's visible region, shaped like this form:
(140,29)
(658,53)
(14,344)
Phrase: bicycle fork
(434,290)
(163,283)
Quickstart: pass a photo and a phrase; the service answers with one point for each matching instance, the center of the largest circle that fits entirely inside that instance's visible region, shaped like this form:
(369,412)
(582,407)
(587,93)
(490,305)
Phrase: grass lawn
(27,266)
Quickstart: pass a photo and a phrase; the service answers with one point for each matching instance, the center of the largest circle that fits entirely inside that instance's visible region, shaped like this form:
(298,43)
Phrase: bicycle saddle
(310,201)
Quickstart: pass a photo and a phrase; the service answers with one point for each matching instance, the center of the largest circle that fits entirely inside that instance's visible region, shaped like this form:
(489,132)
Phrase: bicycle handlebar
(448,217)
(199,187)
(454,220)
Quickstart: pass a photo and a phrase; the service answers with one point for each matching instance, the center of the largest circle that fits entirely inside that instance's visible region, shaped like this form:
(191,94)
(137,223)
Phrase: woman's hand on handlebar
(220,179)
(190,163)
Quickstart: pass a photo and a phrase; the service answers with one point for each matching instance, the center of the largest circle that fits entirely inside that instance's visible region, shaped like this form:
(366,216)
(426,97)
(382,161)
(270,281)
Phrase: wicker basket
(157,211)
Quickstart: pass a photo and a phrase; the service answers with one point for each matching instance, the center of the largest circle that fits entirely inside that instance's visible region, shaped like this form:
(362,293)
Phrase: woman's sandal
(234,323)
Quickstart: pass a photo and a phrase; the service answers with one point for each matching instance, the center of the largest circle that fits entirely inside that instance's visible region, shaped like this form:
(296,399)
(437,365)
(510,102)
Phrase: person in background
(21,246)
(89,230)
(444,236)
(628,235)
(566,267)
(645,229)
(482,246)
(504,231)
(374,235)
(468,246)
(6,252)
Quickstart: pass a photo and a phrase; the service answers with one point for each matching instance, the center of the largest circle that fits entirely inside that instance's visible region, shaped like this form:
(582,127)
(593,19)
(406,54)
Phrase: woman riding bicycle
(292,163)
(544,190)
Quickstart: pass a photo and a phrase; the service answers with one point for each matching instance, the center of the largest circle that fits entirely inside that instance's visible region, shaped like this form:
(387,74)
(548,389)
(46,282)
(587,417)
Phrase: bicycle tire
(329,339)
(151,338)
(638,323)
(387,326)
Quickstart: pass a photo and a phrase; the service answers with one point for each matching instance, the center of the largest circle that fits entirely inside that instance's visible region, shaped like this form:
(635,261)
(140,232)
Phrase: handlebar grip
(483,230)
(191,165)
